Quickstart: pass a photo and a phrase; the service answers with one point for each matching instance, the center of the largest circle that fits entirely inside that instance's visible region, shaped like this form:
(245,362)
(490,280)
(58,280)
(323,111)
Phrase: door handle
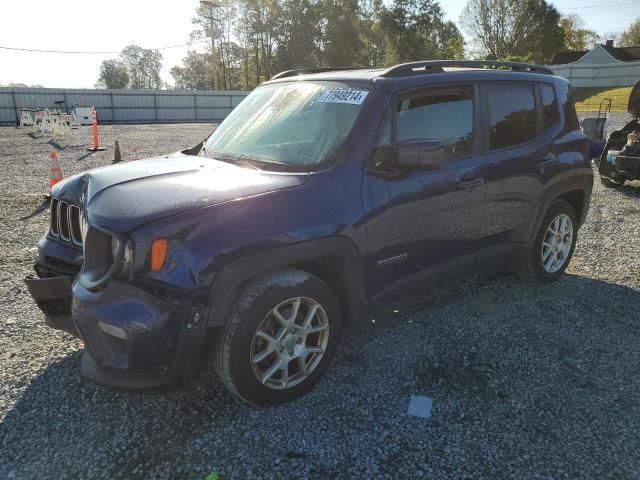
(469,184)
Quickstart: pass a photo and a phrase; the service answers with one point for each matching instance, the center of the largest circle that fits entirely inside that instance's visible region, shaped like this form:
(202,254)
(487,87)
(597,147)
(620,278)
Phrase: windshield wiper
(240,160)
(246,162)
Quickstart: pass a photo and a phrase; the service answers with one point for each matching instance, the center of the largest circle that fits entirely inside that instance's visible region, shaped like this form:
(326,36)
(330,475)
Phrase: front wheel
(553,246)
(280,337)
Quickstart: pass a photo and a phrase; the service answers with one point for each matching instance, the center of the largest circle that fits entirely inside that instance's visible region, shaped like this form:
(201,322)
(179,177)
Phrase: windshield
(295,124)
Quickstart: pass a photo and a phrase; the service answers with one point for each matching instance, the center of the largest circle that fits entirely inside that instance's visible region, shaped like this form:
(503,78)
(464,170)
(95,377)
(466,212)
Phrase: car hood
(634,101)
(127,195)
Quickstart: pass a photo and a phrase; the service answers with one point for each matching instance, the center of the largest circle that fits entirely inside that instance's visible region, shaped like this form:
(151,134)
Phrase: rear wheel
(607,182)
(280,337)
(553,247)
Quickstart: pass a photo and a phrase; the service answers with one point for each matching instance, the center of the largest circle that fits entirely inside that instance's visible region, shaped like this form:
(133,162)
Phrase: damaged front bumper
(136,336)
(53,297)
(135,339)
(56,267)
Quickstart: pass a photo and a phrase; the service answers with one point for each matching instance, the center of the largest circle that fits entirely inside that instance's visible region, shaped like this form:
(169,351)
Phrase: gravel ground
(526,381)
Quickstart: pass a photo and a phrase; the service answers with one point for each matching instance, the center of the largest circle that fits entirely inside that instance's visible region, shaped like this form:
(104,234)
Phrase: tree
(217,21)
(502,28)
(208,17)
(193,74)
(548,35)
(299,35)
(576,36)
(451,41)
(373,34)
(254,39)
(341,41)
(260,21)
(143,66)
(631,36)
(416,30)
(113,74)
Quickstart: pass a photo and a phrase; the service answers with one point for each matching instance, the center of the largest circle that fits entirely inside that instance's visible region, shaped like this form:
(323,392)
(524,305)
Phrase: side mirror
(417,154)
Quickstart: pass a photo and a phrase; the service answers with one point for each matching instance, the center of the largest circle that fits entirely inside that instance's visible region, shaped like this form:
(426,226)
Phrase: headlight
(128,254)
(122,251)
(84,226)
(115,248)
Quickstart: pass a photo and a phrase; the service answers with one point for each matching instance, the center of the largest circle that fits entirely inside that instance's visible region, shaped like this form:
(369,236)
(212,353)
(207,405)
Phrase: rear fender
(578,179)
(582,181)
(553,191)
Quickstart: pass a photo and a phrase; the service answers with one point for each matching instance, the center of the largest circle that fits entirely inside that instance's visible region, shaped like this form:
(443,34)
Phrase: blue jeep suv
(324,194)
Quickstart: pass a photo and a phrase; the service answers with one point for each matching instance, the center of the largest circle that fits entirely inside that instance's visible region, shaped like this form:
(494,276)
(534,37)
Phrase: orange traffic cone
(94,123)
(56,173)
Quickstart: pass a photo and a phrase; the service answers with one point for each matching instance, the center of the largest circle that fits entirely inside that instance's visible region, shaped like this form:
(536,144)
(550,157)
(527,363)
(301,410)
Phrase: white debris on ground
(419,406)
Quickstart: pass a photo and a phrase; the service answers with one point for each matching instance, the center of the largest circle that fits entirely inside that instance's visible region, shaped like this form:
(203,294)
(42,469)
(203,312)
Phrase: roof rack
(436,66)
(305,71)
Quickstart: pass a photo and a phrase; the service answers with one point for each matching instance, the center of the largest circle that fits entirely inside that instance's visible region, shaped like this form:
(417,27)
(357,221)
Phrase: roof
(412,69)
(340,75)
(561,58)
(390,84)
(623,54)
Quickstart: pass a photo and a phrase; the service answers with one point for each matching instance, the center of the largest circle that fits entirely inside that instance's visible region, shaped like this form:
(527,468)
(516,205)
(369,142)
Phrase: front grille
(74,224)
(63,215)
(54,217)
(65,221)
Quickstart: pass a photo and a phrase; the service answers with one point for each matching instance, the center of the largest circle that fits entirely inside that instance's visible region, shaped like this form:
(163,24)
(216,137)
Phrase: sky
(85,25)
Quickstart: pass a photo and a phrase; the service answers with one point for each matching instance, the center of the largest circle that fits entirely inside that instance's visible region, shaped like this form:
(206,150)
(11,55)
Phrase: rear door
(427,220)
(521,159)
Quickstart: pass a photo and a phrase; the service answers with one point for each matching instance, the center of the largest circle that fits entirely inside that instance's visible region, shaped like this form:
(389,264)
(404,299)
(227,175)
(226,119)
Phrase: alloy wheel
(289,343)
(556,244)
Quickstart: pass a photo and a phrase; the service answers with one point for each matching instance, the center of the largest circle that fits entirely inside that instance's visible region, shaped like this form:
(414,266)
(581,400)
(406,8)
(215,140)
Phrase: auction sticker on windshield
(354,97)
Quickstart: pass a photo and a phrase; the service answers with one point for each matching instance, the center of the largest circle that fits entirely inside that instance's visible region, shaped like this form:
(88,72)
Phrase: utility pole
(214,59)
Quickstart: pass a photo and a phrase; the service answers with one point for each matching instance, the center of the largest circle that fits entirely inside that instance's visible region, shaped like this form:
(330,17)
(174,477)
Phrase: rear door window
(549,105)
(512,115)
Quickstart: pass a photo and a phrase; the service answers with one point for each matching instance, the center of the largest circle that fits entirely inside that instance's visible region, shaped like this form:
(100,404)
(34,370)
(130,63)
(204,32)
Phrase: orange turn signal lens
(158,253)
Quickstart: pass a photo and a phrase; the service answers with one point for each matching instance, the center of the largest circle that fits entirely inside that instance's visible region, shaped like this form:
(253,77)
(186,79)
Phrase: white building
(604,66)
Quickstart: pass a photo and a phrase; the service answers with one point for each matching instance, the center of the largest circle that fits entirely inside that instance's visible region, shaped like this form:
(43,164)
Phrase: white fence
(123,106)
(599,75)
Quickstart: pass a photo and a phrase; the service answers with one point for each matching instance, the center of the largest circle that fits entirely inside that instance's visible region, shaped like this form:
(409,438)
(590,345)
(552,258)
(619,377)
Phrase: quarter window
(570,117)
(549,105)
(512,115)
(445,115)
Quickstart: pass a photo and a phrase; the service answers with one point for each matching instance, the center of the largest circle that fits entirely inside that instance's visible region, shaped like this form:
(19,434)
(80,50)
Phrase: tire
(242,354)
(607,182)
(537,265)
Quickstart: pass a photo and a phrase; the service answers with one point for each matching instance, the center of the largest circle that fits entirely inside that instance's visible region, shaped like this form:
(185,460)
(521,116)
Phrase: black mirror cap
(417,154)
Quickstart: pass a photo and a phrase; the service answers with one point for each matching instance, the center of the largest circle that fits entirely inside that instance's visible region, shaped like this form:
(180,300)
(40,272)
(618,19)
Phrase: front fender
(204,242)
(339,254)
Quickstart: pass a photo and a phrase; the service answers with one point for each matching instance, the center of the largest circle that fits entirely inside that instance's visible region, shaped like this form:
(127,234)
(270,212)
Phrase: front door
(423,223)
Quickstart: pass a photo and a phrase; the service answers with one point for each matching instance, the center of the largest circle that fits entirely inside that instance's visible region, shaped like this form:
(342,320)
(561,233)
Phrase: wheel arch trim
(341,251)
